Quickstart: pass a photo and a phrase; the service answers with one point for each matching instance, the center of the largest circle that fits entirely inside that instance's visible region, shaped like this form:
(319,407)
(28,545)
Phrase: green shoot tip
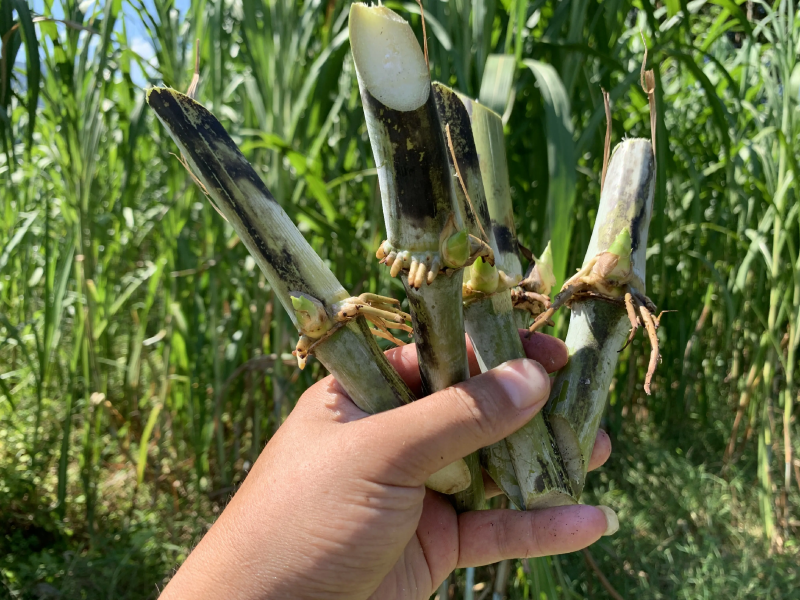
(622,244)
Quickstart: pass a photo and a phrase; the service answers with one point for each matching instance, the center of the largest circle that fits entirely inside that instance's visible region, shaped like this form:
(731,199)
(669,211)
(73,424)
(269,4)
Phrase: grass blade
(560,163)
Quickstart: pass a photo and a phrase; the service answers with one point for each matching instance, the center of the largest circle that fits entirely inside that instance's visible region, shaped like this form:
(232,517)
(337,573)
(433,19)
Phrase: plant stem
(526,465)
(287,260)
(418,197)
(598,328)
(487,131)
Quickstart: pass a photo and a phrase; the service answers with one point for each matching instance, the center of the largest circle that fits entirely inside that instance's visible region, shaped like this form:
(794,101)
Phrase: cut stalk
(302,282)
(487,130)
(526,465)
(425,242)
(490,145)
(598,327)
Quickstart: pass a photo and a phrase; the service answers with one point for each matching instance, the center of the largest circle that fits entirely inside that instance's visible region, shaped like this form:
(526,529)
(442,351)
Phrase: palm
(430,554)
(335,507)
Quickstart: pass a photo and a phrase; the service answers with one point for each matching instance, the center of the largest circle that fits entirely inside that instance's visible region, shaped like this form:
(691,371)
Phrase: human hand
(335,506)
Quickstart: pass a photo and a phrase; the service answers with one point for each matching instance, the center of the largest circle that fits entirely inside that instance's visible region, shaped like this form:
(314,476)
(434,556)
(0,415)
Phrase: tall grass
(143,363)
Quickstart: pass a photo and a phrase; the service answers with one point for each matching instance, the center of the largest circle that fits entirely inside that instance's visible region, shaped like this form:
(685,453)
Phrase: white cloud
(142,47)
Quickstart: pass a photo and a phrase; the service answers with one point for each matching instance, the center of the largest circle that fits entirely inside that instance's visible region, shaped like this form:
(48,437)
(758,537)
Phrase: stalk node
(316,326)
(457,249)
(590,285)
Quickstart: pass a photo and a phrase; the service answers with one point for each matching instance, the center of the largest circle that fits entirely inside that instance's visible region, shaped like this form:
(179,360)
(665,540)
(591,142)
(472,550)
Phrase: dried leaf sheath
(526,465)
(287,260)
(598,328)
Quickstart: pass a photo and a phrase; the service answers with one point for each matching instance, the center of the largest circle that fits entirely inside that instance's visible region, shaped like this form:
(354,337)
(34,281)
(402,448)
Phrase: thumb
(430,433)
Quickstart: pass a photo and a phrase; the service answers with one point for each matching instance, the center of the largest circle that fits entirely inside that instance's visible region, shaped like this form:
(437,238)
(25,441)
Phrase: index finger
(547,350)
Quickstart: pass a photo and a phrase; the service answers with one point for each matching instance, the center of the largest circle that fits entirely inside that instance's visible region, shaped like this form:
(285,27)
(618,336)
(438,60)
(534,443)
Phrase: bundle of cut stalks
(451,239)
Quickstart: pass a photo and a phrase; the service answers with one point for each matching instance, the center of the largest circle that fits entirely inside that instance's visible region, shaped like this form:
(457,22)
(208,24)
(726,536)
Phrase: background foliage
(143,362)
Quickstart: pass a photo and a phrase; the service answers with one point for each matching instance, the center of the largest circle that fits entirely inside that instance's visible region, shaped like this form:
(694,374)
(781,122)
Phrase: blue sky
(138,38)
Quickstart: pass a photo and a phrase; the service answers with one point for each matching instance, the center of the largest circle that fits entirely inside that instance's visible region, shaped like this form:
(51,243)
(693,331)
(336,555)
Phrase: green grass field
(144,363)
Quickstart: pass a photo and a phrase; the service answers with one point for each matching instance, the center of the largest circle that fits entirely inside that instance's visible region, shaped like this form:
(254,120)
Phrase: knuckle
(518,535)
(479,407)
(503,533)
(533,543)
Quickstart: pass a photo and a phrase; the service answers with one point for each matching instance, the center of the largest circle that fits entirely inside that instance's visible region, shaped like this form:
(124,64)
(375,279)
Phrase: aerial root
(635,323)
(382,331)
(378,299)
(436,266)
(531,302)
(421,268)
(651,327)
(564,296)
(591,282)
(420,276)
(583,280)
(381,311)
(397,266)
(661,314)
(400,326)
(637,302)
(305,345)
(387,336)
(425,267)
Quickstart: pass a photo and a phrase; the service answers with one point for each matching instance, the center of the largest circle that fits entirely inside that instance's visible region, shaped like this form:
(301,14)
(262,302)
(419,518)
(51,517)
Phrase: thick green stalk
(285,257)
(487,131)
(280,250)
(418,198)
(526,465)
(439,325)
(597,328)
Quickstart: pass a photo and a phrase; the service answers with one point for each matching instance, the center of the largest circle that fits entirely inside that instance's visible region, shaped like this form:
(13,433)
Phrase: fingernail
(612,522)
(524,381)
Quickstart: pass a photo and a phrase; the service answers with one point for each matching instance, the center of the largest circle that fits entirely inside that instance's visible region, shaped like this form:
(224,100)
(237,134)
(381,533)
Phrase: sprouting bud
(455,250)
(540,278)
(544,266)
(483,276)
(312,319)
(303,304)
(621,247)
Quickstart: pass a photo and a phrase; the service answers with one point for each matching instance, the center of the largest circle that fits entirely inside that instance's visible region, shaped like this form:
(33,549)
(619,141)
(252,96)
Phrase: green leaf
(497,82)
(123,297)
(439,32)
(733,8)
(673,7)
(33,69)
(53,328)
(719,111)
(560,162)
(141,460)
(320,192)
(299,105)
(14,242)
